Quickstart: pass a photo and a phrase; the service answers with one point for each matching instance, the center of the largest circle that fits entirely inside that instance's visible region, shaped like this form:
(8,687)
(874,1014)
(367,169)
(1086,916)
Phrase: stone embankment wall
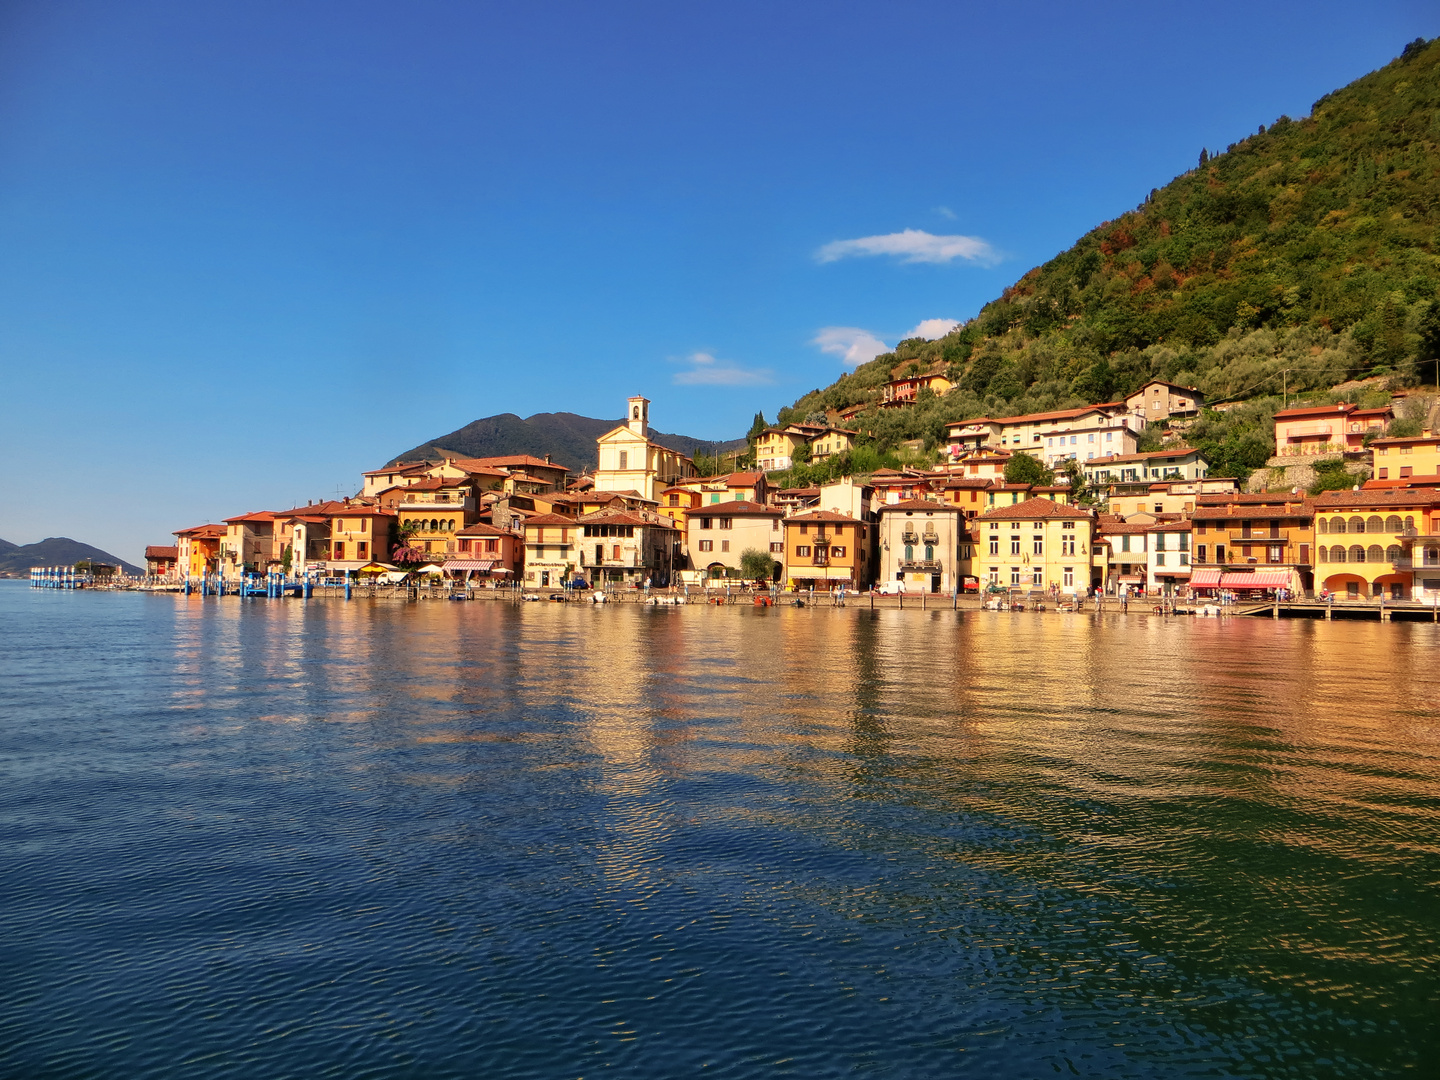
(1288,473)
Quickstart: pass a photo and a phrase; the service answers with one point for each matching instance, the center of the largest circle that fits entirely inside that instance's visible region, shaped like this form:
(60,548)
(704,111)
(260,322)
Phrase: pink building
(1327,429)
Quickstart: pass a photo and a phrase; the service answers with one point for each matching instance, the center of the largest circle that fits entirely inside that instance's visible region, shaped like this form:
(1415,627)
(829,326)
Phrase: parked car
(890,588)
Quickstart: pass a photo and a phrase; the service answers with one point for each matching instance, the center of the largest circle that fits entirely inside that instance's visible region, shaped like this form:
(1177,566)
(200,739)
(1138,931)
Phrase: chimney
(1426,433)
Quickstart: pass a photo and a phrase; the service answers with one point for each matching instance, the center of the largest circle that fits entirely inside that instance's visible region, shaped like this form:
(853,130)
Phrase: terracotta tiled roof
(551,519)
(737,507)
(822,516)
(1033,508)
(622,517)
(156,552)
(928,505)
(202,532)
(1118,528)
(1342,409)
(957,482)
(1059,414)
(1248,498)
(402,468)
(258,515)
(1112,459)
(481,528)
(1340,500)
(1412,440)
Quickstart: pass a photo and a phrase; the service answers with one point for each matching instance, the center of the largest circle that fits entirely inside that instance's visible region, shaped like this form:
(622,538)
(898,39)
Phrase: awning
(1205,579)
(469,564)
(1260,579)
(1131,579)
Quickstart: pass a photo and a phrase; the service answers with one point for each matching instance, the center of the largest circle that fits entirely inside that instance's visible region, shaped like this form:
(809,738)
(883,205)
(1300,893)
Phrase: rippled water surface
(296,840)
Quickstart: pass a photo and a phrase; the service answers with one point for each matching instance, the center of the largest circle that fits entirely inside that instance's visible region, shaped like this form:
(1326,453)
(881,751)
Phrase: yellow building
(358,535)
(199,549)
(775,447)
(1411,460)
(831,441)
(1034,545)
(552,554)
(432,511)
(1374,543)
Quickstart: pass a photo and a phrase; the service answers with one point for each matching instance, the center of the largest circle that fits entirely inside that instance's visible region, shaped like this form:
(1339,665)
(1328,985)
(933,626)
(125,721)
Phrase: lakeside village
(644,520)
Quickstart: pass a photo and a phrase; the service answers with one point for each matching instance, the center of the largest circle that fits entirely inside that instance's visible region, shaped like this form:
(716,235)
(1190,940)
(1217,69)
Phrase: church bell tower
(637,416)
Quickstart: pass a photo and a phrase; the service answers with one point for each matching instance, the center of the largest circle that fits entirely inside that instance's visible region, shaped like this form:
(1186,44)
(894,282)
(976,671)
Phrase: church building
(629,461)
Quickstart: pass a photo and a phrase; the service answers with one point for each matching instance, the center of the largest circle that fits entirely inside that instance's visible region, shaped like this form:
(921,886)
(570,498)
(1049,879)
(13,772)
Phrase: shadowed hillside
(55,551)
(568,438)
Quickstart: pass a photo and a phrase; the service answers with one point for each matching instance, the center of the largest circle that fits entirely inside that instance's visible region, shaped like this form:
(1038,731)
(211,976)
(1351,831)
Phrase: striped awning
(1260,579)
(1206,579)
(469,564)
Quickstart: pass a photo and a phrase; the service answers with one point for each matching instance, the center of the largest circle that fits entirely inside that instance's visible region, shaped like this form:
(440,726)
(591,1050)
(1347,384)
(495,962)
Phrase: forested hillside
(1305,252)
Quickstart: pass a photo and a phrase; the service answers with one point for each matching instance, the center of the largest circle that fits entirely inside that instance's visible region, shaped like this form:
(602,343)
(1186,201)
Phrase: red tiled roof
(622,517)
(740,507)
(1342,409)
(258,515)
(928,505)
(202,532)
(823,515)
(1034,508)
(482,528)
(1341,500)
(1111,459)
(153,551)
(551,519)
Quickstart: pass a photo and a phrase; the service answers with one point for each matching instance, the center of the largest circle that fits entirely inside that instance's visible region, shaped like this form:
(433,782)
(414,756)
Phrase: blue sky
(248,250)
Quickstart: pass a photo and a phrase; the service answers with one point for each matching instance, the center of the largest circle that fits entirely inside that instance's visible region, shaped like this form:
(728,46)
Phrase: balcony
(922,566)
(819,560)
(909,538)
(427,502)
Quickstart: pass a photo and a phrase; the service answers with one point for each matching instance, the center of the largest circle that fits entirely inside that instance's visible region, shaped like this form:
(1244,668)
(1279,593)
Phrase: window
(724,545)
(707,545)
(492,545)
(777,549)
(615,552)
(674,500)
(1089,438)
(1406,470)
(1184,559)
(599,553)
(1109,435)
(1067,545)
(727,523)
(709,523)
(1074,440)
(1014,545)
(1051,442)
(1384,472)
(339,550)
(802,551)
(909,552)
(1219,553)
(994,575)
(837,552)
(1125,543)
(1014,575)
(1069,577)
(1160,558)
(1037,577)
(624,459)
(715,497)
(994,545)
(1039,543)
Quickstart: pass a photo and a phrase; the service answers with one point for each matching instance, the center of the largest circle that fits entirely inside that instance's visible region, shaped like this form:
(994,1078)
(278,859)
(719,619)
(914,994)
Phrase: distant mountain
(55,551)
(568,438)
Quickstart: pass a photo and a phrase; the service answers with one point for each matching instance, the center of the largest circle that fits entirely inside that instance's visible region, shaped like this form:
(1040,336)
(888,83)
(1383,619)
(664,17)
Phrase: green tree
(285,557)
(1024,469)
(757,565)
(757,428)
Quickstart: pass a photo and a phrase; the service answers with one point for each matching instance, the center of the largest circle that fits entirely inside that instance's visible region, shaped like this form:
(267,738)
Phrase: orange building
(1327,429)
(824,549)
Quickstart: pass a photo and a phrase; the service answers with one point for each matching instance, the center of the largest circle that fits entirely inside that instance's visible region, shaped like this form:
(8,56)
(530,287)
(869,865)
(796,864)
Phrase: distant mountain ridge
(568,438)
(55,551)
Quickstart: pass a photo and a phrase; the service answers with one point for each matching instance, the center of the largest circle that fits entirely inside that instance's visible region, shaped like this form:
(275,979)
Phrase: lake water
(284,839)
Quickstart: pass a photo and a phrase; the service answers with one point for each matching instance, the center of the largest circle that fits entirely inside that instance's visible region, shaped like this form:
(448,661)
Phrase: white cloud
(852,344)
(945,212)
(706,370)
(912,246)
(930,329)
